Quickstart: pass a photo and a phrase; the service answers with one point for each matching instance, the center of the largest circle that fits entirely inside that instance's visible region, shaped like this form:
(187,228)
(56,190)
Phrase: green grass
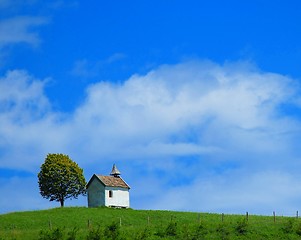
(87,223)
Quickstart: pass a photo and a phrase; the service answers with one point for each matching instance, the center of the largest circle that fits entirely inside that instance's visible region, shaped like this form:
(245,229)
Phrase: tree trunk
(62,202)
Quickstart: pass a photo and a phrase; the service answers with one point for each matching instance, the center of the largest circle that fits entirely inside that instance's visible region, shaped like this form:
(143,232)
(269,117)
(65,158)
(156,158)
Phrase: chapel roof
(111,181)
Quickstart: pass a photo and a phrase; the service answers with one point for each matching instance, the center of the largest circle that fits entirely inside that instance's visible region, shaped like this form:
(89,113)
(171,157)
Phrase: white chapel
(110,191)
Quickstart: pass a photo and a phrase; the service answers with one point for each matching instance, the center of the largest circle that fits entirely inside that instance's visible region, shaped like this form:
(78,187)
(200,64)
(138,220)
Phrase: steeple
(115,172)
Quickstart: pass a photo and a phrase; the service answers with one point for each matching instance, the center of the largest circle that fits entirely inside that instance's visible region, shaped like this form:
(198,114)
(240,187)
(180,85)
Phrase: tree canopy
(61,178)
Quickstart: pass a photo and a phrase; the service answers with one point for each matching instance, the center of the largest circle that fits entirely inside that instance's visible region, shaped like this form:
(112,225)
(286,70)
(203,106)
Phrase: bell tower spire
(115,172)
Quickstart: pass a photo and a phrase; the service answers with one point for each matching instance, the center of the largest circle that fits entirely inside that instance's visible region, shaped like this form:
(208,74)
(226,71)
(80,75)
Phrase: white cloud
(20,29)
(87,69)
(82,69)
(7,4)
(22,95)
(159,149)
(26,121)
(261,192)
(218,106)
(176,122)
(115,57)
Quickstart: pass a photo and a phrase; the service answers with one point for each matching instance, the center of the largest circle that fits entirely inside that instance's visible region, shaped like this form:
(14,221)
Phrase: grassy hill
(105,223)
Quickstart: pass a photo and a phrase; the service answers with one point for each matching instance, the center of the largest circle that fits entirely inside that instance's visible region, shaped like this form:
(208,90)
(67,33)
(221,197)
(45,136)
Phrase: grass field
(105,223)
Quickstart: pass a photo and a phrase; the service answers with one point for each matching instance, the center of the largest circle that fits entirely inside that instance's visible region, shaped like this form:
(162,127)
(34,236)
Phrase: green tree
(61,178)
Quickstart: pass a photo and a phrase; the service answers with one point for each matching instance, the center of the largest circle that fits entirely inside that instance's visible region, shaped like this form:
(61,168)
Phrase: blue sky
(197,102)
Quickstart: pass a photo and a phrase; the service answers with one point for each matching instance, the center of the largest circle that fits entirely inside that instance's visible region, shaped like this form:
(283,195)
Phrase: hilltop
(89,223)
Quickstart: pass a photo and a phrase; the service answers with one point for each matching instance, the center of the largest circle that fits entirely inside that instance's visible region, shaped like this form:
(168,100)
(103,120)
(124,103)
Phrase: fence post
(274,214)
(120,221)
(199,217)
(147,220)
(89,223)
(247,216)
(297,214)
(222,217)
(50,225)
